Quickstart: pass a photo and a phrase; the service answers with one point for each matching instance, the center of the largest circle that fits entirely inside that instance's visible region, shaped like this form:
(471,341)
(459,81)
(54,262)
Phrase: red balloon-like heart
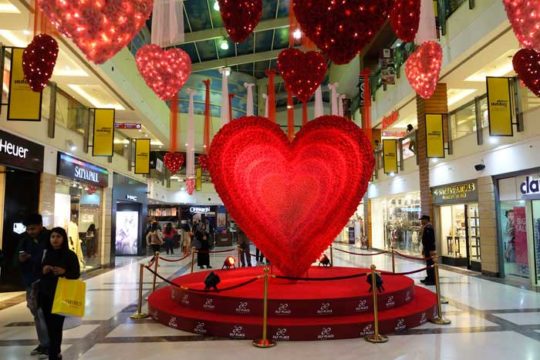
(302,72)
(524,15)
(291,199)
(240,17)
(423,68)
(527,65)
(173,161)
(164,71)
(39,59)
(100,28)
(405,18)
(341,28)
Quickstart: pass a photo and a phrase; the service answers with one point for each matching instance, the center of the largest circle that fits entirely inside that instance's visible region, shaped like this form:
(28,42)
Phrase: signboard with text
(455,193)
(20,153)
(76,169)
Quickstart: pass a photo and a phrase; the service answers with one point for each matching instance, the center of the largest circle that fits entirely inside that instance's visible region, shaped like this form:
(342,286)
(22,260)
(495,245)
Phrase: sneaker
(36,351)
(44,354)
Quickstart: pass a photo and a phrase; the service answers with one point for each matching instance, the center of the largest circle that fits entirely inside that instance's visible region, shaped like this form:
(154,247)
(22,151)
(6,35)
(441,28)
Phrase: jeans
(55,327)
(39,322)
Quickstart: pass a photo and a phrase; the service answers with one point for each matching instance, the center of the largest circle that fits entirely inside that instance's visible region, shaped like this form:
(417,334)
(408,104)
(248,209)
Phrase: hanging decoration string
(265,97)
(290,116)
(167,22)
(206,133)
(225,116)
(190,146)
(174,128)
(249,106)
(231,96)
(427,29)
(366,111)
(304,113)
(271,95)
(293,23)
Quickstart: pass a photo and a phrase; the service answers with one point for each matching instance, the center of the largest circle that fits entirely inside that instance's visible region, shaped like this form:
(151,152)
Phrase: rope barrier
(363,254)
(345,277)
(407,272)
(214,251)
(411,257)
(152,261)
(174,260)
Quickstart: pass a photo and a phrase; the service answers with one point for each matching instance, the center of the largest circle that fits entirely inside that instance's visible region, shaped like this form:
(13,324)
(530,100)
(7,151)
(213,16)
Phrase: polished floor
(490,320)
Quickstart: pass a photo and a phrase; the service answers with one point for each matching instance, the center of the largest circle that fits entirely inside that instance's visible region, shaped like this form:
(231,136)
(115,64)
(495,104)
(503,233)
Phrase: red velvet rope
(407,272)
(206,135)
(214,251)
(361,254)
(411,257)
(174,260)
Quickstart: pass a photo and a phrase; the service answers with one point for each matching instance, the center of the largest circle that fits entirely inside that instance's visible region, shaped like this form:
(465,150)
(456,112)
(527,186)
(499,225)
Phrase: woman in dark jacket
(59,261)
(203,255)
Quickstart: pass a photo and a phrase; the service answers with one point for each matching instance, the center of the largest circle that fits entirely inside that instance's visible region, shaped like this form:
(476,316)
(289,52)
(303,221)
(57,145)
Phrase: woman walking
(168,235)
(154,238)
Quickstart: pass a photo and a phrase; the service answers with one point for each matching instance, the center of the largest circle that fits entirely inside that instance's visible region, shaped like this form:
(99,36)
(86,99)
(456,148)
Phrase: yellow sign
(198,178)
(434,136)
(103,132)
(142,156)
(390,157)
(23,103)
(499,106)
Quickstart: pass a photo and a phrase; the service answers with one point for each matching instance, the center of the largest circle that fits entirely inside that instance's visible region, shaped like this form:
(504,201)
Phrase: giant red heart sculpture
(240,17)
(423,68)
(405,18)
(524,15)
(39,59)
(302,72)
(291,199)
(341,28)
(527,65)
(164,71)
(173,161)
(100,28)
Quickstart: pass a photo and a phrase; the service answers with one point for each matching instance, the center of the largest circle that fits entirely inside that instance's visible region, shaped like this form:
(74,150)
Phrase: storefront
(129,210)
(21,165)
(457,224)
(79,207)
(354,231)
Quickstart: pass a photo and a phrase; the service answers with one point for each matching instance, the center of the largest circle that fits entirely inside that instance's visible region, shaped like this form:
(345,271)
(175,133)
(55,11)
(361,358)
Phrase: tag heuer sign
(20,153)
(455,193)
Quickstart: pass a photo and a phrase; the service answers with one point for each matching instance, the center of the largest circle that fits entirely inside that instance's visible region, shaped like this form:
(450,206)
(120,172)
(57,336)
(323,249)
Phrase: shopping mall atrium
(384,202)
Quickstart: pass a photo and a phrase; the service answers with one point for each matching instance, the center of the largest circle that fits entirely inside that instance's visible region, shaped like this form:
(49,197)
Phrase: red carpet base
(297,310)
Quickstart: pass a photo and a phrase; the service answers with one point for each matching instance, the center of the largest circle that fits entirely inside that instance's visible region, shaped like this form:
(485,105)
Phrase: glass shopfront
(354,231)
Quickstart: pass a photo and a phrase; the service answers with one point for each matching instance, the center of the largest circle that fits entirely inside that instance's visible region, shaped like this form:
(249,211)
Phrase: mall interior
(95,150)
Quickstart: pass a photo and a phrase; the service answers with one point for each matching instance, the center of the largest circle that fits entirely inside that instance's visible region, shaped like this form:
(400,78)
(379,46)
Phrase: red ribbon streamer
(231,96)
(366,111)
(290,116)
(304,114)
(206,134)
(271,95)
(173,124)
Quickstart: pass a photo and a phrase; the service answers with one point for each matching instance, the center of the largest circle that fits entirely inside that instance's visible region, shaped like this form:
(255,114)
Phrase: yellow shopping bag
(69,298)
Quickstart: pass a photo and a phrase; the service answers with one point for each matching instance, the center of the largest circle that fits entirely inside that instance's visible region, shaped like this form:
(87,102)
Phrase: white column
(249,107)
(225,71)
(333,97)
(319,110)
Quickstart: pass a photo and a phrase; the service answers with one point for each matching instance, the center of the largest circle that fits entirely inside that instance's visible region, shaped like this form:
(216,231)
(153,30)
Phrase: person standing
(31,250)
(203,251)
(59,261)
(168,235)
(154,238)
(243,249)
(428,248)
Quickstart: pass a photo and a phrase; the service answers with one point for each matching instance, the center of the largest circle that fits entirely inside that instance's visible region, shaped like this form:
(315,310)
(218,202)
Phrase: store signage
(198,178)
(79,170)
(388,70)
(390,156)
(531,186)
(20,153)
(24,104)
(103,132)
(455,193)
(199,209)
(499,106)
(128,126)
(142,156)
(434,136)
(131,197)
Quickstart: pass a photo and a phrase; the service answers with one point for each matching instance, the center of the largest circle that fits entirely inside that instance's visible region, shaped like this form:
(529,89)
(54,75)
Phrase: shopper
(243,249)
(168,235)
(58,262)
(259,256)
(411,133)
(90,240)
(428,250)
(154,238)
(30,251)
(203,251)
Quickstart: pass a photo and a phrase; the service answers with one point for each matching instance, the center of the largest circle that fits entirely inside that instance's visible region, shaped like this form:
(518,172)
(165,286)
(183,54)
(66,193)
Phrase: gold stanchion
(439,320)
(192,258)
(393,260)
(265,342)
(376,337)
(331,255)
(139,314)
(156,264)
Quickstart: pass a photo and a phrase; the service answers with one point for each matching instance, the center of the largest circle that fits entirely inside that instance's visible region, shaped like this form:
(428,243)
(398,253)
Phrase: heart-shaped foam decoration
(100,28)
(173,161)
(341,28)
(302,72)
(405,19)
(423,68)
(524,15)
(164,71)
(240,17)
(39,59)
(291,199)
(527,65)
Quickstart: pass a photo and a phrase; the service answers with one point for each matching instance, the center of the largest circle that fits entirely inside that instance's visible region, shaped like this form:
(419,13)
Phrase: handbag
(69,298)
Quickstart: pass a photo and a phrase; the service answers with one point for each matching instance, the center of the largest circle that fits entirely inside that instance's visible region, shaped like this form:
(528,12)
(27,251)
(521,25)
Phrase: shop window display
(460,234)
(402,227)
(513,223)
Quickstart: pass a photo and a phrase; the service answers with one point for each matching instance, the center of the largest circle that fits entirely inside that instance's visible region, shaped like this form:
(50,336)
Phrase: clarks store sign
(455,193)
(530,188)
(20,153)
(79,170)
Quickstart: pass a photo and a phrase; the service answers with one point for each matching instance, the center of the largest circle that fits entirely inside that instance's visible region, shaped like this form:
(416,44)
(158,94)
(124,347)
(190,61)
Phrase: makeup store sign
(79,170)
(455,193)
(20,153)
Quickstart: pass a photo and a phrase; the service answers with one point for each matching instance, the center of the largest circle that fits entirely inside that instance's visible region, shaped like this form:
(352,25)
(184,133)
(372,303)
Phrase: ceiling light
(9,9)
(297,34)
(92,100)
(456,95)
(216,5)
(71,145)
(224,45)
(13,39)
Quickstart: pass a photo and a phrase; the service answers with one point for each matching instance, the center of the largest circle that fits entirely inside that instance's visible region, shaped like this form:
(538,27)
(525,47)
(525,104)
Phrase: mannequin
(74,240)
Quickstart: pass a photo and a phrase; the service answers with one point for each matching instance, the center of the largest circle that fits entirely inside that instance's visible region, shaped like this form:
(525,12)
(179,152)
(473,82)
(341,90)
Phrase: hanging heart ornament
(240,17)
(173,161)
(39,60)
(524,15)
(527,65)
(423,68)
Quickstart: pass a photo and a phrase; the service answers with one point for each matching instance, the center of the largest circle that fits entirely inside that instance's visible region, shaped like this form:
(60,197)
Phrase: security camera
(479,167)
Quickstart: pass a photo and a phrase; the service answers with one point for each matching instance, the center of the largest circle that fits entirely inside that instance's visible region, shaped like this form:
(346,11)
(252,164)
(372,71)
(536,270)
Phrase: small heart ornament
(173,161)
(39,60)
(527,65)
(423,68)
(240,17)
(405,19)
(524,15)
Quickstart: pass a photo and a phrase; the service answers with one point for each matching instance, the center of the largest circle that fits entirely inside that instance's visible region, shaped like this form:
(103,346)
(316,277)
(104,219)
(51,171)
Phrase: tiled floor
(490,320)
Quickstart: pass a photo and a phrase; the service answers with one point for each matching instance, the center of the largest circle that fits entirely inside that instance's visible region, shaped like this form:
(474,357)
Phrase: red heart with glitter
(39,59)
(524,15)
(527,65)
(341,28)
(173,161)
(302,72)
(164,71)
(423,68)
(240,17)
(405,19)
(100,28)
(291,198)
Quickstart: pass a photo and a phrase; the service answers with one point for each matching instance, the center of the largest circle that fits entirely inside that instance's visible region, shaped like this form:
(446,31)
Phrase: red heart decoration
(173,161)
(39,59)
(524,15)
(164,71)
(423,68)
(190,186)
(100,28)
(291,199)
(240,17)
(203,161)
(405,18)
(527,65)
(302,72)
(341,28)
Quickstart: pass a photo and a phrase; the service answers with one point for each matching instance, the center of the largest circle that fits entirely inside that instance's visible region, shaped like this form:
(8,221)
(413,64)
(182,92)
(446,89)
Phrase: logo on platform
(325,309)
(408,296)
(173,322)
(173,294)
(200,328)
(400,325)
(185,299)
(326,334)
(154,314)
(243,308)
(390,302)
(367,330)
(209,304)
(238,332)
(281,334)
(362,306)
(283,309)
(423,319)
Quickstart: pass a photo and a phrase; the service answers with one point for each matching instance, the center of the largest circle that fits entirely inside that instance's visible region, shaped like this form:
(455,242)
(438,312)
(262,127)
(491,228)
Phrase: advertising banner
(23,104)
(127,228)
(499,106)
(390,156)
(103,132)
(198,178)
(142,156)
(434,136)
(520,234)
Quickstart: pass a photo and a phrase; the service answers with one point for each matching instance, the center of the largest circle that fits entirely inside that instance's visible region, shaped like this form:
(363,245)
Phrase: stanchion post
(393,260)
(331,255)
(376,337)
(139,314)
(156,264)
(265,342)
(439,320)
(193,258)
